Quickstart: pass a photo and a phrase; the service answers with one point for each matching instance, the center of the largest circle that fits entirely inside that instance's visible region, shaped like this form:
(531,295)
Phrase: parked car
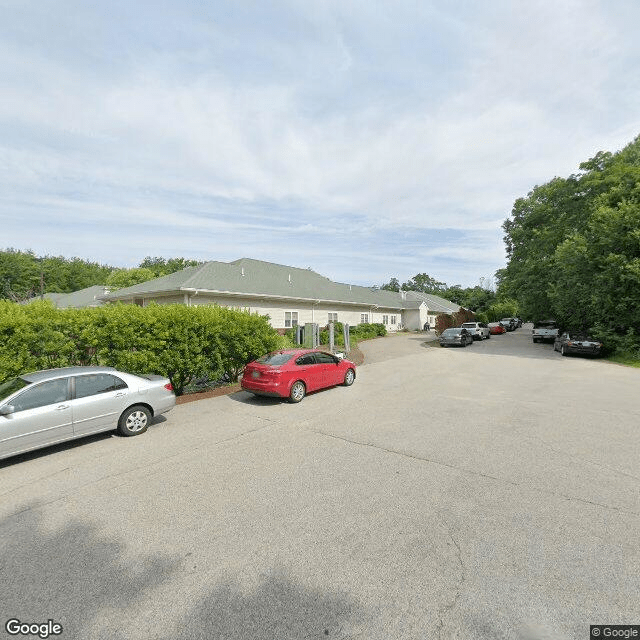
(568,343)
(496,328)
(292,373)
(455,336)
(479,330)
(43,408)
(544,331)
(509,324)
(518,322)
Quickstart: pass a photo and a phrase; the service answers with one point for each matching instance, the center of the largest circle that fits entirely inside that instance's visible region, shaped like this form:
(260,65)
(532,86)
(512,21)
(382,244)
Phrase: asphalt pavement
(486,492)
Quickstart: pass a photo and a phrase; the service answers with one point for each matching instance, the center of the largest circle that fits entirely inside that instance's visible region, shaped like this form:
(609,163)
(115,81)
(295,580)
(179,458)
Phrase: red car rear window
(275,359)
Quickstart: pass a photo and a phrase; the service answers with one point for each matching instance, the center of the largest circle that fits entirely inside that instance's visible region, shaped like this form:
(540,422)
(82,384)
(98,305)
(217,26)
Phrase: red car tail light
(168,386)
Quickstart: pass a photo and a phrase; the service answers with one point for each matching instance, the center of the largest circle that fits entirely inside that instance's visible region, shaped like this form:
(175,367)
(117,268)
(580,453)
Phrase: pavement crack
(578,459)
(412,456)
(26,484)
(447,608)
(476,474)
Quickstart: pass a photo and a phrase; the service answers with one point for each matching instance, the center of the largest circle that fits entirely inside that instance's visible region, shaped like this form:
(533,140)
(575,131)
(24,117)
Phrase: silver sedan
(43,408)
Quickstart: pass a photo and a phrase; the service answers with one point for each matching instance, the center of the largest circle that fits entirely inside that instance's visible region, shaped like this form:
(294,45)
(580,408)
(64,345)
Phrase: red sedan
(295,372)
(495,328)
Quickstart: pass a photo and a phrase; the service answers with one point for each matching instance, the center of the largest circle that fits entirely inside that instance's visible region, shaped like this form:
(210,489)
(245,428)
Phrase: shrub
(179,342)
(446,320)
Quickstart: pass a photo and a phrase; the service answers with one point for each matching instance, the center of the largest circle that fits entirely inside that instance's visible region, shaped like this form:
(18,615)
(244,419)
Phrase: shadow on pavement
(81,579)
(71,444)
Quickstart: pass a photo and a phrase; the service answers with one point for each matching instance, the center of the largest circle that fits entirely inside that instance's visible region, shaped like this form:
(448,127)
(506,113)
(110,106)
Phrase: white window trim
(291,325)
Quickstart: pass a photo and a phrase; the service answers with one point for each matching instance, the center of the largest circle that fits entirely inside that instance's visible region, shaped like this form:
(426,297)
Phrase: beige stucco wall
(307,311)
(413,319)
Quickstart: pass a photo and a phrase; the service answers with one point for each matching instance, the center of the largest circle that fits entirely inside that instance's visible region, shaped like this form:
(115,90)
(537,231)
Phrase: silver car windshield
(11,386)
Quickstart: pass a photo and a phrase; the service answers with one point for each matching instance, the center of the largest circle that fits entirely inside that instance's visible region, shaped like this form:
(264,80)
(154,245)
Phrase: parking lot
(487,492)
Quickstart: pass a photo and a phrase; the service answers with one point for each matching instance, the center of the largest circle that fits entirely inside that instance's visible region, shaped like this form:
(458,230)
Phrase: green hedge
(447,320)
(179,342)
(357,332)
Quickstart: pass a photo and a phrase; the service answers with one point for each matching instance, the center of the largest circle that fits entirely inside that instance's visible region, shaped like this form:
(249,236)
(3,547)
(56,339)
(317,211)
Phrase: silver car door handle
(120,395)
(62,406)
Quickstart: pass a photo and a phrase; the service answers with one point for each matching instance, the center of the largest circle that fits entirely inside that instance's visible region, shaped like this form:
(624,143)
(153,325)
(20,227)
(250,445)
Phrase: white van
(479,330)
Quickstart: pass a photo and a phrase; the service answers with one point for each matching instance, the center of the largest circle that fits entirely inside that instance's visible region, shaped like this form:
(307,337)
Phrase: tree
(392,285)
(425,284)
(122,278)
(573,248)
(163,267)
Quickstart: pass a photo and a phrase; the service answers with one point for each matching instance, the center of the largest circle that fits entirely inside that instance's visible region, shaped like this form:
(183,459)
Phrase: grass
(628,359)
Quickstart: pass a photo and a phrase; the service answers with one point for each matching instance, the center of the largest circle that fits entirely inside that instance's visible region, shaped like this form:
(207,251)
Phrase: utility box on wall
(311,335)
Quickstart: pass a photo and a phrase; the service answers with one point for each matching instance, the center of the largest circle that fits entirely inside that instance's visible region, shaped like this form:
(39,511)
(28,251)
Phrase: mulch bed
(355,355)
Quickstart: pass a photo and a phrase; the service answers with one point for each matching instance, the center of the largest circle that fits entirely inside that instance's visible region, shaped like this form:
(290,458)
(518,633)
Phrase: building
(88,297)
(288,295)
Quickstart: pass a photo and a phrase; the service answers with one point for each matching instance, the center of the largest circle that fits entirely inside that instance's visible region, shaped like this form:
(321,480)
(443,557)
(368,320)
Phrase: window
(393,319)
(364,317)
(325,358)
(385,319)
(97,383)
(50,392)
(333,317)
(290,319)
(306,359)
(275,359)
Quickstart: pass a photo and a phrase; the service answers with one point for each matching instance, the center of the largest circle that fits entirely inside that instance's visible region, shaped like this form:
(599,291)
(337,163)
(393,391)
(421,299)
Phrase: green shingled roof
(434,303)
(83,298)
(257,278)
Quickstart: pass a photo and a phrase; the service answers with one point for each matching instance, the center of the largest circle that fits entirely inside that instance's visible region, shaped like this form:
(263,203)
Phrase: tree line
(573,248)
(484,301)
(24,275)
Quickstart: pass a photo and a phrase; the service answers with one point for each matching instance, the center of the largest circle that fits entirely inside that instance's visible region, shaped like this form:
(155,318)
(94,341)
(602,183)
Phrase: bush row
(179,342)
(446,320)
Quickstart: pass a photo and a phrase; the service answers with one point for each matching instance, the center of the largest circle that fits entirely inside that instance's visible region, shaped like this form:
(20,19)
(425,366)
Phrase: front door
(99,400)
(41,416)
(330,371)
(309,371)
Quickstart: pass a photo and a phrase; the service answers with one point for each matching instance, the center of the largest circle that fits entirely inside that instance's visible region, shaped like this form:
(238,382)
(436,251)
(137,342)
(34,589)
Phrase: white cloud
(414,118)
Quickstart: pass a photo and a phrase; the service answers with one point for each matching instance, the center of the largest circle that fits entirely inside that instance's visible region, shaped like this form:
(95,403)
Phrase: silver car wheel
(297,392)
(349,377)
(134,421)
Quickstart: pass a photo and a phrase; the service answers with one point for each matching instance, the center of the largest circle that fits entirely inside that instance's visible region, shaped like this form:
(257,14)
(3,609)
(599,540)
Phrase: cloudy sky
(364,139)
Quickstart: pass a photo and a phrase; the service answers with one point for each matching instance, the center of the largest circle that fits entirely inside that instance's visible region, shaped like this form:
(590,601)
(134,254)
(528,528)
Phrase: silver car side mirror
(7,410)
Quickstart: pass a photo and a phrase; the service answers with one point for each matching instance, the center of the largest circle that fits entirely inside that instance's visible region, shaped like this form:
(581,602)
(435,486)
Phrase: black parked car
(580,343)
(455,336)
(509,323)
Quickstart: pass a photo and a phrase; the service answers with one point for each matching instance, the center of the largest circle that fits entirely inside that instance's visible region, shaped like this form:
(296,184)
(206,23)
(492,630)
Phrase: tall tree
(573,247)
(425,284)
(392,285)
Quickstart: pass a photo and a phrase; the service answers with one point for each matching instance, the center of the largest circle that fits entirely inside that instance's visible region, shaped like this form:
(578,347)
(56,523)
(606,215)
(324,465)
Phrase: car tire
(562,351)
(134,421)
(349,377)
(297,392)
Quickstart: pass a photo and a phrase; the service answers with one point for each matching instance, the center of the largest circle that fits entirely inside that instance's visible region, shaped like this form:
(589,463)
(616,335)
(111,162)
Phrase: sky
(366,140)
